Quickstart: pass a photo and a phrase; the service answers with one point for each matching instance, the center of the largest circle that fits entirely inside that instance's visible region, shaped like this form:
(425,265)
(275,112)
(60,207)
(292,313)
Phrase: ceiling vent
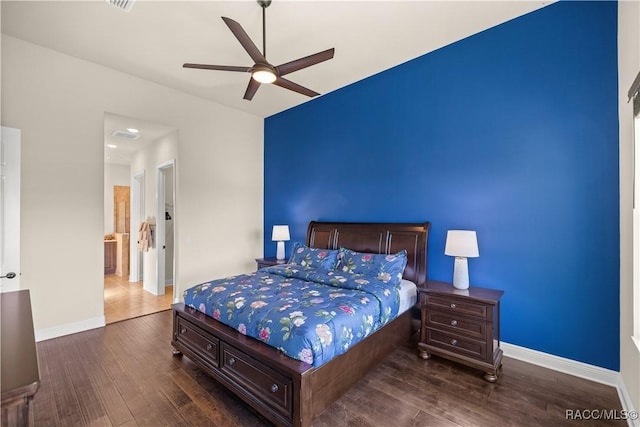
(126,135)
(125,5)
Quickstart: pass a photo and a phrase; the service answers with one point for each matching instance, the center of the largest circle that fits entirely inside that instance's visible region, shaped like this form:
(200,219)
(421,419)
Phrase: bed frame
(286,391)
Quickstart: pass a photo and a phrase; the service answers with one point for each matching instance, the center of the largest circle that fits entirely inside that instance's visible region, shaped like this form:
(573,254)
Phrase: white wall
(59,103)
(147,160)
(629,65)
(113,175)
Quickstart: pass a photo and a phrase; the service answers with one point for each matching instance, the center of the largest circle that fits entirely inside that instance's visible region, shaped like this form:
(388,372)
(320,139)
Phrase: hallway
(125,300)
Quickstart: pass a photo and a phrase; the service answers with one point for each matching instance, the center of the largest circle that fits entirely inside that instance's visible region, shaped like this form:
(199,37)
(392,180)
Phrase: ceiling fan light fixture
(263,74)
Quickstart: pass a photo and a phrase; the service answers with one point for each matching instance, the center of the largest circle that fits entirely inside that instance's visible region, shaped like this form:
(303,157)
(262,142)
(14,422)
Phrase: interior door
(166,183)
(10,210)
(137,216)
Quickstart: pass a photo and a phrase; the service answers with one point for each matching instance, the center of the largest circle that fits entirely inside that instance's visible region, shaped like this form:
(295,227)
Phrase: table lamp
(280,234)
(461,244)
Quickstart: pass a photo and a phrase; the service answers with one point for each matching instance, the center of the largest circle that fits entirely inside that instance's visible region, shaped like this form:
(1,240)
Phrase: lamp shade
(462,243)
(280,233)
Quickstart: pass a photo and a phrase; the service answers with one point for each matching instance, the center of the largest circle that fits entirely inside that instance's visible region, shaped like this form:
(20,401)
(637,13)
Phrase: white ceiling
(125,148)
(155,38)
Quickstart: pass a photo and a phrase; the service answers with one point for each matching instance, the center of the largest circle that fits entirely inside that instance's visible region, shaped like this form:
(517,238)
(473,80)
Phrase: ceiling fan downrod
(264,4)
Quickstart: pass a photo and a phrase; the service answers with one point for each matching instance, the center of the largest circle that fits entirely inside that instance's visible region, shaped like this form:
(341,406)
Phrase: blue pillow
(387,268)
(305,256)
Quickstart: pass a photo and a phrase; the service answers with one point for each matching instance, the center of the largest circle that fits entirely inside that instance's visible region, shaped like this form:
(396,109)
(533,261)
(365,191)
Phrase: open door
(166,227)
(10,210)
(136,270)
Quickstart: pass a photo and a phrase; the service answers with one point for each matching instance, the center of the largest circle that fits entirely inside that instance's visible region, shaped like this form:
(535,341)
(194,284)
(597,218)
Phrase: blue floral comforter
(309,314)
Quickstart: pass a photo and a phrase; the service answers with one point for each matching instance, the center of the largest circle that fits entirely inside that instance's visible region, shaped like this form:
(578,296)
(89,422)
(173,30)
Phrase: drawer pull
(232,361)
(209,347)
(183,330)
(274,388)
(454,322)
(454,342)
(453,305)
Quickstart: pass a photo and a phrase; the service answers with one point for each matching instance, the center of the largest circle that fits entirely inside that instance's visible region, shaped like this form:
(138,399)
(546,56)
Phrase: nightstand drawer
(455,305)
(454,343)
(476,329)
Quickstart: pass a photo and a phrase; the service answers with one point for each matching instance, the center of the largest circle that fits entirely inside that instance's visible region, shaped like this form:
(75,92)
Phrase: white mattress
(408,295)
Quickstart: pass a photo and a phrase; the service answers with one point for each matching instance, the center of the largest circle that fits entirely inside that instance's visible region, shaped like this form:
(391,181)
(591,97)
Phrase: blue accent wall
(512,132)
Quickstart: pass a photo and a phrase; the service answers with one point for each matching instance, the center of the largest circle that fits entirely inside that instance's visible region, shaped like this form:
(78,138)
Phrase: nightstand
(461,325)
(268,262)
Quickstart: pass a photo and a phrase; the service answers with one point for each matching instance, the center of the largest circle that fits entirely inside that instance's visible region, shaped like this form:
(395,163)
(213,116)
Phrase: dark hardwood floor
(124,375)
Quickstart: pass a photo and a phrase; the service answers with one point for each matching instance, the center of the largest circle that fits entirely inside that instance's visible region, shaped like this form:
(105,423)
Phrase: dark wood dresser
(19,368)
(461,325)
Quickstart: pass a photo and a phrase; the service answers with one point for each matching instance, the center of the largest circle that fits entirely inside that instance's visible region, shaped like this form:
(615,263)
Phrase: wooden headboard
(380,238)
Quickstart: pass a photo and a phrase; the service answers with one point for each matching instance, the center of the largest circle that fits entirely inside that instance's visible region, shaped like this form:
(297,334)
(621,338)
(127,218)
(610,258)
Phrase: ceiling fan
(262,71)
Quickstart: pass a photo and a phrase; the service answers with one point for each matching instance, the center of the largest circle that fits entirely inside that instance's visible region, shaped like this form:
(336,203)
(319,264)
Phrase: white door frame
(635,249)
(10,208)
(136,271)
(160,226)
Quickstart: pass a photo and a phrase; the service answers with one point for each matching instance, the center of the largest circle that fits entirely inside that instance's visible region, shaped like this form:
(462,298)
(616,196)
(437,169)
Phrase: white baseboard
(561,364)
(575,368)
(626,402)
(69,328)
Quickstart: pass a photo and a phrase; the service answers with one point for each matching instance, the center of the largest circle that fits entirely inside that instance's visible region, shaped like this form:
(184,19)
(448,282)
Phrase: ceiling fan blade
(217,67)
(245,41)
(305,62)
(252,88)
(288,84)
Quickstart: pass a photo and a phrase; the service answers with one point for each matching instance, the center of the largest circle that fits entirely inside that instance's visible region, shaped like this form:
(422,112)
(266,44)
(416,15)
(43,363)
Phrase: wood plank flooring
(124,375)
(126,300)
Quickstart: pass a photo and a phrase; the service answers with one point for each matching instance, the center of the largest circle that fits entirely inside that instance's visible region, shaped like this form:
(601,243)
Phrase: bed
(284,390)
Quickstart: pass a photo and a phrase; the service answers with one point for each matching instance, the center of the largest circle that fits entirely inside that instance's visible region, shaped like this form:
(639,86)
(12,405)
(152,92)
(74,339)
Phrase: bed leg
(424,354)
(491,377)
(175,352)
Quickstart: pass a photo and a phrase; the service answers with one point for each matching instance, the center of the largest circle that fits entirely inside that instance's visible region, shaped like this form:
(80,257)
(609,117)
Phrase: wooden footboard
(285,391)
(331,380)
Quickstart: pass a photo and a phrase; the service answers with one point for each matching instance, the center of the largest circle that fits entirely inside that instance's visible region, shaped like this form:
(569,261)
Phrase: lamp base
(461,273)
(280,251)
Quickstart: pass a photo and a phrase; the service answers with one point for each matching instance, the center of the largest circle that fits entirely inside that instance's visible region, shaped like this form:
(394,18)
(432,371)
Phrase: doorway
(138,146)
